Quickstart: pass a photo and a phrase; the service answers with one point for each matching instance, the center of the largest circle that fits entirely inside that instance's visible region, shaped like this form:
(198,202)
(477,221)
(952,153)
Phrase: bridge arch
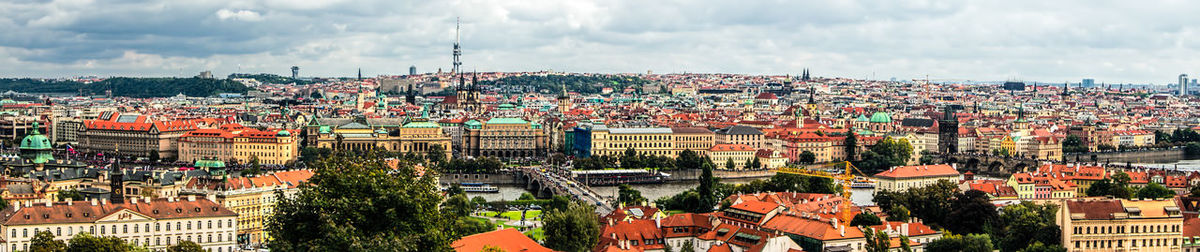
(995,166)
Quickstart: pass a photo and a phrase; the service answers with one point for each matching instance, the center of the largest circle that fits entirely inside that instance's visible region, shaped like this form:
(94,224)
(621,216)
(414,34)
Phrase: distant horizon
(1052,41)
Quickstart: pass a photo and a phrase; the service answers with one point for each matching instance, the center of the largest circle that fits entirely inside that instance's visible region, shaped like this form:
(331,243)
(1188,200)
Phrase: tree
(1105,147)
(851,145)
(1155,191)
(876,240)
(688,246)
(1026,223)
(729,165)
(705,190)
(628,196)
(458,204)
(1191,149)
(360,203)
(807,157)
(526,196)
(575,229)
(255,167)
(185,246)
(1100,188)
(44,242)
(755,163)
(927,157)
(1161,137)
(1073,144)
(478,201)
(316,95)
(154,156)
(961,243)
(490,248)
(630,159)
(688,159)
(83,242)
(436,154)
(1041,247)
(971,213)
(69,194)
(865,219)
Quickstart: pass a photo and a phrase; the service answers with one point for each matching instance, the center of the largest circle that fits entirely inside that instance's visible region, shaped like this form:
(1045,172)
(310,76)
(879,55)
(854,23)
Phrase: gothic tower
(948,132)
(116,180)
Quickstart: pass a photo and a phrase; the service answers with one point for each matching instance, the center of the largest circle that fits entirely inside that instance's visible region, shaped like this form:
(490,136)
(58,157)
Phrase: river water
(1183,165)
(655,191)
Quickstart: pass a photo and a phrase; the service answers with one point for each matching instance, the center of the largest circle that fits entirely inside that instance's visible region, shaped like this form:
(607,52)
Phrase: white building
(154,224)
(903,177)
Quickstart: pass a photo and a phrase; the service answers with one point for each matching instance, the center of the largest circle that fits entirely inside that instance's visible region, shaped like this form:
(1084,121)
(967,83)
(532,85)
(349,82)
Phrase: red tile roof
(85,212)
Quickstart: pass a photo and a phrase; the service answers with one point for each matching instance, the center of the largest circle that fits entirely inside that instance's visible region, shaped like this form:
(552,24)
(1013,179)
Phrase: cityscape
(451,143)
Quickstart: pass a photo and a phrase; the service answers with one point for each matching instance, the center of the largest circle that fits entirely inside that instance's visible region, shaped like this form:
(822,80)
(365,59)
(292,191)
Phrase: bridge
(546,181)
(991,164)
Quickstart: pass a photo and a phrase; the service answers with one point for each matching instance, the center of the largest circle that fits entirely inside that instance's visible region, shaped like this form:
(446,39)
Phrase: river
(655,191)
(1183,165)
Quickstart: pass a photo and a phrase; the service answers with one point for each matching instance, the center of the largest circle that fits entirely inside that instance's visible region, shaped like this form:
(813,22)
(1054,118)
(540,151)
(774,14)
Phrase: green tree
(86,242)
(961,243)
(1191,149)
(1162,137)
(557,202)
(490,248)
(436,154)
(68,194)
(688,246)
(576,229)
(1026,223)
(1105,147)
(526,196)
(185,246)
(705,191)
(360,203)
(927,157)
(865,219)
(478,201)
(1073,144)
(971,212)
(44,242)
(688,159)
(1155,191)
(629,196)
(876,240)
(807,157)
(1041,247)
(1100,188)
(459,205)
(755,163)
(729,165)
(630,159)
(851,145)
(255,167)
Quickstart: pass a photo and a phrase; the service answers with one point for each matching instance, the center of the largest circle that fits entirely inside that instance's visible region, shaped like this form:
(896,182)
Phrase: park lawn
(515,215)
(673,212)
(536,233)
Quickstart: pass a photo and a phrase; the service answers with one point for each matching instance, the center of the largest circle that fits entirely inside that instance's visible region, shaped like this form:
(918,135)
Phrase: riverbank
(694,175)
(1152,156)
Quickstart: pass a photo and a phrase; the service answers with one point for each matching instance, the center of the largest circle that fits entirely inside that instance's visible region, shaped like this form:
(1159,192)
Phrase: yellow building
(721,154)
(252,198)
(1120,225)
(232,142)
(152,224)
(415,136)
(504,137)
(650,141)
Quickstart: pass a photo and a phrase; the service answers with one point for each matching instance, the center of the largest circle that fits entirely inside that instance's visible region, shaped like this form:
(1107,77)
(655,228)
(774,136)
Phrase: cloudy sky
(1054,41)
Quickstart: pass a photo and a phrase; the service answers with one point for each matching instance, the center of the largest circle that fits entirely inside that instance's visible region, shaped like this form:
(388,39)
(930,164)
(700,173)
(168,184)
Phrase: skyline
(1032,41)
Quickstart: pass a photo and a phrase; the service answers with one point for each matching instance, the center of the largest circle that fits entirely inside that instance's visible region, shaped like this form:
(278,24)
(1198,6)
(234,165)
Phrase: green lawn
(515,215)
(536,233)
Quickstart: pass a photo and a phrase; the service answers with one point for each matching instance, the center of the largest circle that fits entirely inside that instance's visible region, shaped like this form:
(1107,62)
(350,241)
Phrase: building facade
(232,142)
(1121,225)
(153,224)
(504,137)
(904,177)
(133,135)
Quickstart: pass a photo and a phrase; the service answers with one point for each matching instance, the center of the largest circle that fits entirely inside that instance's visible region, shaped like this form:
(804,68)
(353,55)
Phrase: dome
(283,133)
(881,117)
(35,140)
(862,118)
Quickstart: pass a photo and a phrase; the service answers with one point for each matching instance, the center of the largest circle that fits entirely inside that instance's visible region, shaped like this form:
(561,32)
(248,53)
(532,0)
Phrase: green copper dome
(881,117)
(862,118)
(283,133)
(36,147)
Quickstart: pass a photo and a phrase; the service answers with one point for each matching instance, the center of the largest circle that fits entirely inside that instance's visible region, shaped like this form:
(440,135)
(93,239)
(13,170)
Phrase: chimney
(49,203)
(29,204)
(904,229)
(191,198)
(104,201)
(17,207)
(70,202)
(955,165)
(94,202)
(133,200)
(658,221)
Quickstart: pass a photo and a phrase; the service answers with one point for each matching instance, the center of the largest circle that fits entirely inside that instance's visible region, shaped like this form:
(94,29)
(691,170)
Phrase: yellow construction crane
(845,178)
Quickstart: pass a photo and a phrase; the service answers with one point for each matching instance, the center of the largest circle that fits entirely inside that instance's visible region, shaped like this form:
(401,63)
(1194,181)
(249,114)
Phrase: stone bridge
(546,181)
(991,165)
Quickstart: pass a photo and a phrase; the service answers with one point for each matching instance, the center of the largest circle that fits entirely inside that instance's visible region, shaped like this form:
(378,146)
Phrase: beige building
(721,154)
(232,142)
(739,134)
(133,135)
(252,198)
(666,142)
(903,177)
(154,224)
(1120,225)
(415,136)
(504,137)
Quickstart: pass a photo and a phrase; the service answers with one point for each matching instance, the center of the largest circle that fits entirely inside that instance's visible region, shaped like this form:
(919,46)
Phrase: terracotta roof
(85,212)
(508,239)
(731,147)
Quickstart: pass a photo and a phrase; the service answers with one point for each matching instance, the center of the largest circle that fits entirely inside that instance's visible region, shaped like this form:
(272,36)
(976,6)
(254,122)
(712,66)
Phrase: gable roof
(508,239)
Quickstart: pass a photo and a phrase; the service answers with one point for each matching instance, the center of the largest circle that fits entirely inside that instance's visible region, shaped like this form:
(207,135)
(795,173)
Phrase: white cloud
(1144,41)
(241,15)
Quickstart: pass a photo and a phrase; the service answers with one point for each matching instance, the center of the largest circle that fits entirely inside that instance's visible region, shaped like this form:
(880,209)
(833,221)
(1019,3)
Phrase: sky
(1052,41)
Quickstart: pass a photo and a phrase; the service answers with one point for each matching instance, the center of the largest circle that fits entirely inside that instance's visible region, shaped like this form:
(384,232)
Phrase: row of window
(1108,244)
(1133,229)
(179,225)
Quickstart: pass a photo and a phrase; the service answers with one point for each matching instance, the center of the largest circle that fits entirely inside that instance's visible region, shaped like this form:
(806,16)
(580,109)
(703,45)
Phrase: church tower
(116,180)
(564,101)
(812,108)
(948,131)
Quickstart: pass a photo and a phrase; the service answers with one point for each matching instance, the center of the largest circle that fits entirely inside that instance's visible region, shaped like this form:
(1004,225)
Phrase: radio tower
(457,48)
